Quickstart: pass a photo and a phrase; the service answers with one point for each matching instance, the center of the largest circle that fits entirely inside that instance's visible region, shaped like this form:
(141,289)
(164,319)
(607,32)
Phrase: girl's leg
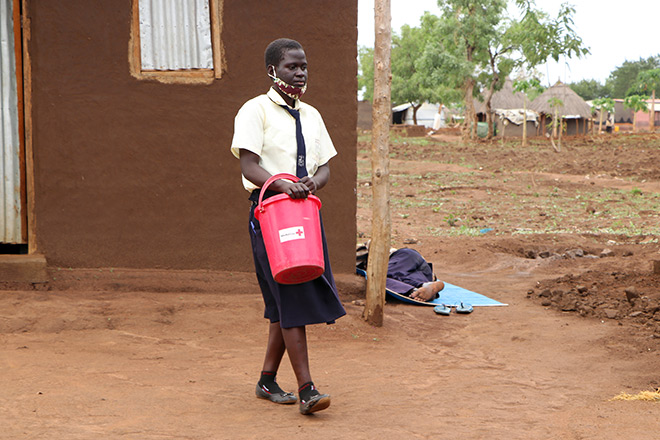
(311,400)
(295,340)
(267,387)
(275,348)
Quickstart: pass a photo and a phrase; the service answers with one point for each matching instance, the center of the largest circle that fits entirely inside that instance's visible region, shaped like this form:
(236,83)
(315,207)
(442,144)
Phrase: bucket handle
(270,180)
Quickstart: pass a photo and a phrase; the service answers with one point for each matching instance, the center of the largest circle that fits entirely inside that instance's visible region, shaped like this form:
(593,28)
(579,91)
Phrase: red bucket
(292,234)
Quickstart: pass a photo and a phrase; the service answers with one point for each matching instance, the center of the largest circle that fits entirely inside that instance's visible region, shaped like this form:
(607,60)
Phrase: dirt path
(84,364)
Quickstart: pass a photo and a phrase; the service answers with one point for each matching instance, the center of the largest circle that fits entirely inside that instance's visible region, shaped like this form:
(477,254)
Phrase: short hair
(275,50)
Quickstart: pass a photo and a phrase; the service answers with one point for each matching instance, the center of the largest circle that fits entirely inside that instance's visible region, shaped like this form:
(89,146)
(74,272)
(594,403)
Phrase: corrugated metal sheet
(175,34)
(10,199)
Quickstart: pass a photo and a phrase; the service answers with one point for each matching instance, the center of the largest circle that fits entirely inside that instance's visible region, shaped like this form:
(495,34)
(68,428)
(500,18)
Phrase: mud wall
(134,173)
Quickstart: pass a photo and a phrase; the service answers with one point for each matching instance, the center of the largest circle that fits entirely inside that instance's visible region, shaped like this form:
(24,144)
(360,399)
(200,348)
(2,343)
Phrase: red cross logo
(299,232)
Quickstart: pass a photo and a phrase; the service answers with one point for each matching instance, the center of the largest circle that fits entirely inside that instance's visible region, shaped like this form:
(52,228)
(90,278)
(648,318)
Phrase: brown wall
(573,126)
(513,130)
(132,173)
(364,117)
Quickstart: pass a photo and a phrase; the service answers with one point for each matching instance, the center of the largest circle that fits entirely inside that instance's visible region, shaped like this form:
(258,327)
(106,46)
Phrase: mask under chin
(289,90)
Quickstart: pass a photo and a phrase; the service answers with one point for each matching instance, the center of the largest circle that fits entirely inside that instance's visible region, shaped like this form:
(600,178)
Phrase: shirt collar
(277,99)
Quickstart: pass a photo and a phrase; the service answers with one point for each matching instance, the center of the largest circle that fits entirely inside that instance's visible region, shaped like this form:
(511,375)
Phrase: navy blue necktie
(301,157)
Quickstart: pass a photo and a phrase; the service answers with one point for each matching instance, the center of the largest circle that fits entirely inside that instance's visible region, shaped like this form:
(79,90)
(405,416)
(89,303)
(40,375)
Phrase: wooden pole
(524,139)
(652,118)
(380,174)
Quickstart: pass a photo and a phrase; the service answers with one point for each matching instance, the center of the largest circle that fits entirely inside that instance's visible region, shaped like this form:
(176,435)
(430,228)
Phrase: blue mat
(451,295)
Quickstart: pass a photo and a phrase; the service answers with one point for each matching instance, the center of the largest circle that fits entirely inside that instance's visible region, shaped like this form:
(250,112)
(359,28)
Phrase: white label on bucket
(295,233)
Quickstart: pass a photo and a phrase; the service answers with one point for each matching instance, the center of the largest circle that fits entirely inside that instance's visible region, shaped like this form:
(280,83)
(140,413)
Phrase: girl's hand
(297,190)
(310,183)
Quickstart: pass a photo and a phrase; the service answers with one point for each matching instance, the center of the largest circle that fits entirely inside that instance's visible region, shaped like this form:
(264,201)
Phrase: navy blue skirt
(294,305)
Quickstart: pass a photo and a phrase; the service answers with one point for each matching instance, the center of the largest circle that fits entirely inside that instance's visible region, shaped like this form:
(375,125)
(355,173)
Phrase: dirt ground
(566,239)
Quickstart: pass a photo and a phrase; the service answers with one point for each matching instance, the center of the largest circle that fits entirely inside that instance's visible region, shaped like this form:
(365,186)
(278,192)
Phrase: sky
(614,31)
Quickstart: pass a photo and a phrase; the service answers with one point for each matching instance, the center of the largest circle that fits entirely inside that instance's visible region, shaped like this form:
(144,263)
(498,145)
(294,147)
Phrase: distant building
(403,114)
(508,107)
(574,111)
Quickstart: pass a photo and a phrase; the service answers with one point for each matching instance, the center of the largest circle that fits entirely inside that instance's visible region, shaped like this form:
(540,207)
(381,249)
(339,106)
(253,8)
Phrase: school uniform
(267,129)
(407,270)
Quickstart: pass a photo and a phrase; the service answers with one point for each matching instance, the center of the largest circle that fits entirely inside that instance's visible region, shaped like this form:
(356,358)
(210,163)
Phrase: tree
(366,72)
(411,81)
(590,89)
(526,86)
(541,37)
(636,103)
(557,122)
(648,81)
(499,66)
(622,78)
(466,28)
(604,105)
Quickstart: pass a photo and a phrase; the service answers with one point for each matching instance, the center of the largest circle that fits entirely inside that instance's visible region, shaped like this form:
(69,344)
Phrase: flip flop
(442,309)
(464,308)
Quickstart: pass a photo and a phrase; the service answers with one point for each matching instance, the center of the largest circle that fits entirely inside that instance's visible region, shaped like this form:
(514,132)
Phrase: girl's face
(293,68)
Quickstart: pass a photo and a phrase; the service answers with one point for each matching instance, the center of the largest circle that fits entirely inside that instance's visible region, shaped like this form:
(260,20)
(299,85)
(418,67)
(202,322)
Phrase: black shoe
(315,403)
(281,397)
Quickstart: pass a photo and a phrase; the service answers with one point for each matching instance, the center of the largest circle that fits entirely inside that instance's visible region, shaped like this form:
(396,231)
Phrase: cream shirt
(266,129)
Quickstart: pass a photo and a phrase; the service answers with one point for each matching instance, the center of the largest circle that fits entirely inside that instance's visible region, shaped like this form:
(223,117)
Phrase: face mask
(293,92)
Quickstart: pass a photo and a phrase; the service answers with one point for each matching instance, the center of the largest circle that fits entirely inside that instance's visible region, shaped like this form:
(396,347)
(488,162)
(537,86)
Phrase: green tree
(526,86)
(541,37)
(622,78)
(366,72)
(604,106)
(648,81)
(590,89)
(411,82)
(467,28)
(636,103)
(499,64)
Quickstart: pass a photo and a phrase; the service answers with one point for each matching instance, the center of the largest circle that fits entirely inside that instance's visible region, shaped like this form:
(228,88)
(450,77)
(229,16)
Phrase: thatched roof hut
(574,110)
(503,99)
(573,107)
(507,106)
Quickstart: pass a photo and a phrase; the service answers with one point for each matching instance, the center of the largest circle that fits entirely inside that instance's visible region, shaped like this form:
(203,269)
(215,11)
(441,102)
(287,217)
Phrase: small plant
(636,192)
(451,219)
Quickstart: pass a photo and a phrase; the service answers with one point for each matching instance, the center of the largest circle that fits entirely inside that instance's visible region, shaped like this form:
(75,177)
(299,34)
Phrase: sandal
(464,308)
(442,309)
